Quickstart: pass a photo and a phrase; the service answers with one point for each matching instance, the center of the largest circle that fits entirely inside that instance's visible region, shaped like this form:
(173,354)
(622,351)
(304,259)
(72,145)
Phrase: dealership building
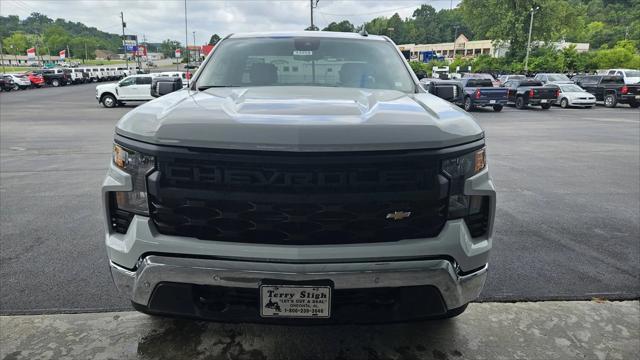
(464,47)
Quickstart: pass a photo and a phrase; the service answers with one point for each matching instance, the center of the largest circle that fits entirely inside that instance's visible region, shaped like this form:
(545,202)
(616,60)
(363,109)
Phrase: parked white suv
(20,81)
(131,88)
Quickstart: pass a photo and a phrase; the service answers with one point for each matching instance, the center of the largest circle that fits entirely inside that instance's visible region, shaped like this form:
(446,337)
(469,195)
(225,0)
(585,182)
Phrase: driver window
(127,82)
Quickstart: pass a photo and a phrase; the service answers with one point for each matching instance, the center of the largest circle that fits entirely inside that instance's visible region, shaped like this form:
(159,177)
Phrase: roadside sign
(178,53)
(63,54)
(31,53)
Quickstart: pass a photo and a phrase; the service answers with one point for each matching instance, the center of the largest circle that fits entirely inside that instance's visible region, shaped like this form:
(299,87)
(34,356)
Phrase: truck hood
(300,119)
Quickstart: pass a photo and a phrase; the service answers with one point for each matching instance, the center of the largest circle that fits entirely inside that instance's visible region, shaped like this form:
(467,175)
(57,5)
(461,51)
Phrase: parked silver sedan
(574,95)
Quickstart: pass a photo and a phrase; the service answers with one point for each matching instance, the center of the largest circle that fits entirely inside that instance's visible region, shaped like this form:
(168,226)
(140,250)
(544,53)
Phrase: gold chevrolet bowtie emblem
(398,215)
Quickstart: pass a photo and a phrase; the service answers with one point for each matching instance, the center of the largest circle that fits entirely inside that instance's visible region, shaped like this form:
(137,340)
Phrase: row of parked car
(544,90)
(64,76)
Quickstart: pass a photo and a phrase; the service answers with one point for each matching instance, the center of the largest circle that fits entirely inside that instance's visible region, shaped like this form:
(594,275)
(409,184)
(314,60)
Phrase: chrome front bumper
(456,289)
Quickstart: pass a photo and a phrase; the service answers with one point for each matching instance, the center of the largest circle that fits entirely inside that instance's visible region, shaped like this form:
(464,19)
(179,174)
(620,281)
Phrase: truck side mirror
(164,85)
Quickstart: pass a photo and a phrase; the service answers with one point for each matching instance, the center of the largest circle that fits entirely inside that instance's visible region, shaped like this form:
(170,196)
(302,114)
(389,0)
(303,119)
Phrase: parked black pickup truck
(450,90)
(611,90)
(480,92)
(524,92)
(55,77)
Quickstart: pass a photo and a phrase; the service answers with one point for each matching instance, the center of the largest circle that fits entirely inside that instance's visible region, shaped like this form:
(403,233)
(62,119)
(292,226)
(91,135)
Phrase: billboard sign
(130,40)
(63,54)
(178,53)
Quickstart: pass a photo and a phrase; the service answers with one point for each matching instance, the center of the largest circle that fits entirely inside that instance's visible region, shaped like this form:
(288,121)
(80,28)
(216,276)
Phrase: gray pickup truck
(302,177)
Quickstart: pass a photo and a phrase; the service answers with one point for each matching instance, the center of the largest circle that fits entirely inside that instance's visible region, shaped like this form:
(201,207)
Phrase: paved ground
(567,224)
(540,331)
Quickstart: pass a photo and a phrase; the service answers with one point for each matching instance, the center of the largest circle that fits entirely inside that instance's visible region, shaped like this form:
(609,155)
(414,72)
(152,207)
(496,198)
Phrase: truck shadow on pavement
(167,338)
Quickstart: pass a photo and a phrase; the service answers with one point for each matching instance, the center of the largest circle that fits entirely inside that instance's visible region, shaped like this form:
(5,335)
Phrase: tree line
(50,36)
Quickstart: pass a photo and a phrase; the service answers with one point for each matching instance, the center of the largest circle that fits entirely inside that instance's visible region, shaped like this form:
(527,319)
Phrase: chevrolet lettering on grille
(213,175)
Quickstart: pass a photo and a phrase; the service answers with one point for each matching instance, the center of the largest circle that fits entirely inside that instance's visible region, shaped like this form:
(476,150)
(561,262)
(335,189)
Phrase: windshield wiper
(205,87)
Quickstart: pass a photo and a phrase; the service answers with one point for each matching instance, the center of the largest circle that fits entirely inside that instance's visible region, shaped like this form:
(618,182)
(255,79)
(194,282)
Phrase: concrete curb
(542,330)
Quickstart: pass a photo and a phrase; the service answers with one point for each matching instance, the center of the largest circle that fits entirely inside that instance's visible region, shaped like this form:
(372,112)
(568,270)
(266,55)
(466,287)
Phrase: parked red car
(36,79)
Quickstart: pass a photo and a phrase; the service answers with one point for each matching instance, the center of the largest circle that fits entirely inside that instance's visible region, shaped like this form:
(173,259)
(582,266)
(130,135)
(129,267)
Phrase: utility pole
(526,59)
(194,44)
(455,37)
(2,57)
(67,55)
(124,45)
(85,51)
(186,37)
(311,3)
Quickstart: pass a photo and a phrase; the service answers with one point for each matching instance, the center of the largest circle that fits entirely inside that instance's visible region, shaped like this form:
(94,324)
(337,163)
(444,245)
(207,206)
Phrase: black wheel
(468,106)
(109,101)
(520,103)
(497,108)
(634,104)
(55,82)
(16,87)
(546,106)
(610,101)
(564,103)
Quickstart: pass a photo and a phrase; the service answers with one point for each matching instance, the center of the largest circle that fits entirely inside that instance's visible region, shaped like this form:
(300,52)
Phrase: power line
(369,13)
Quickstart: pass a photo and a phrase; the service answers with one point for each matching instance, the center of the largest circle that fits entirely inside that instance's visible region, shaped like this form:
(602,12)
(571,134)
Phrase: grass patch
(15,69)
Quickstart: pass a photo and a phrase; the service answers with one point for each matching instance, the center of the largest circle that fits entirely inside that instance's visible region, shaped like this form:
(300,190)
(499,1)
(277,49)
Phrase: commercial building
(464,47)
(23,60)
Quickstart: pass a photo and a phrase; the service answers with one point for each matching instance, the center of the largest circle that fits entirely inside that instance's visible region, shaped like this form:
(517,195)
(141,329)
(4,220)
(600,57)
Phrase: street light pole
(526,59)
(455,37)
(124,46)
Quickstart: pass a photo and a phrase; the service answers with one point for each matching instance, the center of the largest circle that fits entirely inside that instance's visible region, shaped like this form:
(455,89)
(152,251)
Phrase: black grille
(298,199)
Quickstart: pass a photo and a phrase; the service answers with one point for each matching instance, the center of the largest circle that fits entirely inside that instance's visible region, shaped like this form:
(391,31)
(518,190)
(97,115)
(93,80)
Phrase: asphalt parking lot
(567,221)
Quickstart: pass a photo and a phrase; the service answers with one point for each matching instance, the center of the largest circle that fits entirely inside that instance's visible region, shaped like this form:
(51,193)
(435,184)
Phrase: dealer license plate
(492,101)
(295,301)
(543,101)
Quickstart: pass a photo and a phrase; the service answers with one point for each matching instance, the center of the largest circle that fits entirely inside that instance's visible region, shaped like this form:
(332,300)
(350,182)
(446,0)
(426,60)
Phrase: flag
(178,53)
(31,53)
(63,54)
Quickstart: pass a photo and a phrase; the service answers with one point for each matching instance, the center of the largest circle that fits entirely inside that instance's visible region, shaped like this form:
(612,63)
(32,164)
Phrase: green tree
(214,39)
(509,21)
(342,26)
(168,47)
(16,44)
(56,38)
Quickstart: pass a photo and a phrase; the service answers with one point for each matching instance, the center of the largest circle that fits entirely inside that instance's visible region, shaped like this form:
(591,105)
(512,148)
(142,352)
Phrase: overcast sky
(164,19)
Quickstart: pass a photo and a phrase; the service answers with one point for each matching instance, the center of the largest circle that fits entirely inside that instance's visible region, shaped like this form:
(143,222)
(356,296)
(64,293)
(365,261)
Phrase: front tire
(109,101)
(468,106)
(497,108)
(610,101)
(55,82)
(634,104)
(546,106)
(564,103)
(520,105)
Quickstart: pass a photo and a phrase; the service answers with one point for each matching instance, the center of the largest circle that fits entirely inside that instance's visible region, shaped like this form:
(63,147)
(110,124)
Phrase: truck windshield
(306,61)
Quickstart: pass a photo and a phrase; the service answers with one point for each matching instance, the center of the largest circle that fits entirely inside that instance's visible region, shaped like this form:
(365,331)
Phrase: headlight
(137,165)
(458,170)
(466,165)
